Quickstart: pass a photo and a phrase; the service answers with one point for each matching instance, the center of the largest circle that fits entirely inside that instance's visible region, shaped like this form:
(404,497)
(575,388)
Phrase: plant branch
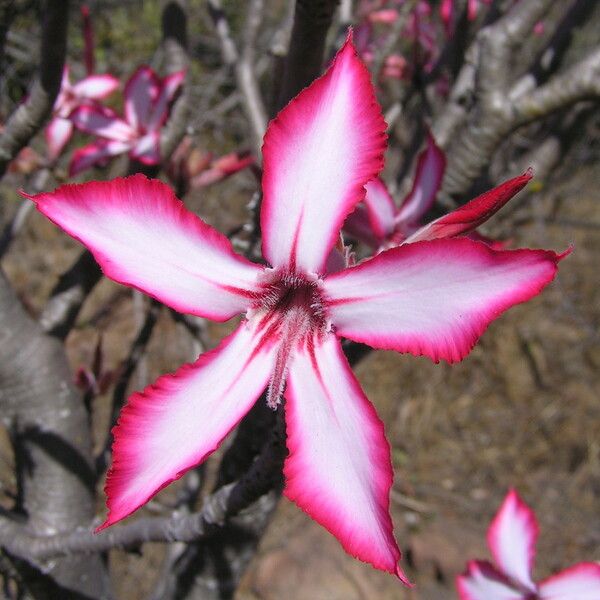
(52,447)
(304,61)
(175,48)
(243,65)
(138,347)
(27,119)
(580,82)
(226,502)
(481,111)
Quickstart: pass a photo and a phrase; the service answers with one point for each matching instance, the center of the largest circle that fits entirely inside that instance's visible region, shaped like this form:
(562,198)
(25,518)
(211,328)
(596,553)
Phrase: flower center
(291,308)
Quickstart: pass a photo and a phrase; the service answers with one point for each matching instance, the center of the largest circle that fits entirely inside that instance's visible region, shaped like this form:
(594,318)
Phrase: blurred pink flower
(512,537)
(147,100)
(86,92)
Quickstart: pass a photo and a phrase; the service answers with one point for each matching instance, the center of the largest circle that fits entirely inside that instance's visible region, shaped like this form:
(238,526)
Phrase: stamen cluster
(291,308)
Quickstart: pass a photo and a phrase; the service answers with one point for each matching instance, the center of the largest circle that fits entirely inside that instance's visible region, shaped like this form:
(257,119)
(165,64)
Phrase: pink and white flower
(431,297)
(380,224)
(147,100)
(86,92)
(511,538)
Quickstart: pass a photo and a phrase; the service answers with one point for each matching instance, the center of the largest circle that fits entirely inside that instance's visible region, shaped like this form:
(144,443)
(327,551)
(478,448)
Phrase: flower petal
(57,134)
(141,92)
(482,581)
(147,149)
(319,152)
(103,122)
(473,213)
(512,537)
(339,469)
(95,154)
(381,208)
(431,165)
(96,87)
(581,582)
(176,423)
(143,236)
(434,298)
(160,109)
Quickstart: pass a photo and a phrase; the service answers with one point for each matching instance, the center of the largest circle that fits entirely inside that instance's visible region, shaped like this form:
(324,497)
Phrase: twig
(67,297)
(175,47)
(243,65)
(31,115)
(579,82)
(136,352)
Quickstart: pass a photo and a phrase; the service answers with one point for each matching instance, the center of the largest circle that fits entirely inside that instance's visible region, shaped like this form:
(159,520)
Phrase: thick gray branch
(483,109)
(579,82)
(25,122)
(52,441)
(226,502)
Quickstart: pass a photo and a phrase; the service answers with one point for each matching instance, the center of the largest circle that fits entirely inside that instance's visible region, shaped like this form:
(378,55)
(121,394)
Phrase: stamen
(277,382)
(292,306)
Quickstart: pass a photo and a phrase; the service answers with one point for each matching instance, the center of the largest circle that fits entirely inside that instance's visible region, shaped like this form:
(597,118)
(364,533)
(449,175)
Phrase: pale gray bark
(49,427)
(27,119)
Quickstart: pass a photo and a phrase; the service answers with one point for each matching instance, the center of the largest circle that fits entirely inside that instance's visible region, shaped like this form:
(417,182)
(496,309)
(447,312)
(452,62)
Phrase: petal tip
(401,575)
(100,528)
(567,252)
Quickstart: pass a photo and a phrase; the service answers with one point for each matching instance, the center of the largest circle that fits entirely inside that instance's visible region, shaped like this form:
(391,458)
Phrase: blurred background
(522,410)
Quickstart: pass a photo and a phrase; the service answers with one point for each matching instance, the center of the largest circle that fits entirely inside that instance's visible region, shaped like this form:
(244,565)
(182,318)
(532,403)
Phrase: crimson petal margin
(143,236)
(339,469)
(473,213)
(176,423)
(433,298)
(318,154)
(512,537)
(431,165)
(482,581)
(581,582)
